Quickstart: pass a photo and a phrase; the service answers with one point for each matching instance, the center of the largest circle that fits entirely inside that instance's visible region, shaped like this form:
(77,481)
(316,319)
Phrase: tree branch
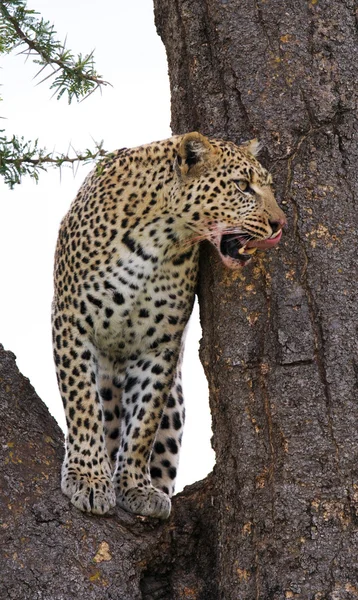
(77,77)
(19,158)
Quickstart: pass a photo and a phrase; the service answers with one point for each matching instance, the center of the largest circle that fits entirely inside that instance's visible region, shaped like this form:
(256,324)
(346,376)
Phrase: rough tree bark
(278,517)
(51,551)
(280,338)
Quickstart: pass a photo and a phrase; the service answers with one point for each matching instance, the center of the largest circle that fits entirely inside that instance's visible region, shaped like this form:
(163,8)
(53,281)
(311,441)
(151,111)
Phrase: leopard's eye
(242,185)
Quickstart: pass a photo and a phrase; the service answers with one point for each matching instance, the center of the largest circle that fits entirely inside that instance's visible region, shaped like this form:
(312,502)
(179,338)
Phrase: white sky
(136,110)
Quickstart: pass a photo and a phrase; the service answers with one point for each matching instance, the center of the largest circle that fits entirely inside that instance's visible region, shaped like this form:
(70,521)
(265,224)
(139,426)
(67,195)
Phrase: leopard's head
(226,197)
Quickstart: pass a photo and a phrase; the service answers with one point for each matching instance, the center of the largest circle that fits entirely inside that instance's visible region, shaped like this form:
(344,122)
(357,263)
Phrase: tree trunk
(278,517)
(280,338)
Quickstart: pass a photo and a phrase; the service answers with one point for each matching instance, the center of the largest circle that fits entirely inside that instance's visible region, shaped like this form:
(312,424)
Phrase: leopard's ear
(195,154)
(253,146)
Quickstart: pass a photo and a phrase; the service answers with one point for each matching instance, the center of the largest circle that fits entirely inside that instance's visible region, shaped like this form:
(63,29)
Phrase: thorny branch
(77,77)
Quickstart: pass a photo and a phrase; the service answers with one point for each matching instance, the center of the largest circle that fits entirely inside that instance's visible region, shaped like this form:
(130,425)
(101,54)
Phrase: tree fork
(51,550)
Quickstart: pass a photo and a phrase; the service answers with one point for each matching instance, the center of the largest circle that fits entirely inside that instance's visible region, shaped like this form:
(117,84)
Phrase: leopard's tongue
(264,244)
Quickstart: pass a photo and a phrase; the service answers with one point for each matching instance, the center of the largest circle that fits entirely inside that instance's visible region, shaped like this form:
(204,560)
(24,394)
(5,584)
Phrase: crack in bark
(311,116)
(257,579)
(297,363)
(264,370)
(313,130)
(317,329)
(344,162)
(241,105)
(355,368)
(217,67)
(185,62)
(355,13)
(315,319)
(262,24)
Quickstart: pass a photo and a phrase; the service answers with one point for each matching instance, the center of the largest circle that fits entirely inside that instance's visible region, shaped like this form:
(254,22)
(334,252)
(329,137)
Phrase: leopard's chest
(144,312)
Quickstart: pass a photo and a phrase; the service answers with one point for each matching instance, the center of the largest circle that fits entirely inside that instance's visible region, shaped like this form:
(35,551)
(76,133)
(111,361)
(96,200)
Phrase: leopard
(125,278)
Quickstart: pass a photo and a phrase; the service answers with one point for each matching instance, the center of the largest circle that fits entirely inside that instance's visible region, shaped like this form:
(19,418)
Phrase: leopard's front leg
(146,389)
(86,470)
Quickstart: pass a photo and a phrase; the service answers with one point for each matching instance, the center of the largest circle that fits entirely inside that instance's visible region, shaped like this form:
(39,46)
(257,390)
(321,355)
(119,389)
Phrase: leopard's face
(228,198)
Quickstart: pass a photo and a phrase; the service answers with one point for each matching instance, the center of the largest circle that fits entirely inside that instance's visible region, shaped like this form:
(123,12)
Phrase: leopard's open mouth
(237,249)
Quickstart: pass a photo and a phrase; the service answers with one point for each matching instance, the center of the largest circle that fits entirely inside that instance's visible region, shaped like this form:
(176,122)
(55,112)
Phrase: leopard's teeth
(245,250)
(274,235)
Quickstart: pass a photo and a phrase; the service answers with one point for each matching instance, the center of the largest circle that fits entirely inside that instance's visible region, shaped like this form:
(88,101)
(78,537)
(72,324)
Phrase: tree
(21,27)
(277,518)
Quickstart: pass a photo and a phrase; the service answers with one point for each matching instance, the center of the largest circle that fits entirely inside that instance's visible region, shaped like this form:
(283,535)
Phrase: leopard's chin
(236,250)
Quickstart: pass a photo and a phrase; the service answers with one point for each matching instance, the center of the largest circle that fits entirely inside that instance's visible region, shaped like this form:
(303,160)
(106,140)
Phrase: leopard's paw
(89,493)
(146,501)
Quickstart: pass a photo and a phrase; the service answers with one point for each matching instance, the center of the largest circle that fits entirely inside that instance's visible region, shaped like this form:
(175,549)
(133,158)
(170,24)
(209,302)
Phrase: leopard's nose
(277,224)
